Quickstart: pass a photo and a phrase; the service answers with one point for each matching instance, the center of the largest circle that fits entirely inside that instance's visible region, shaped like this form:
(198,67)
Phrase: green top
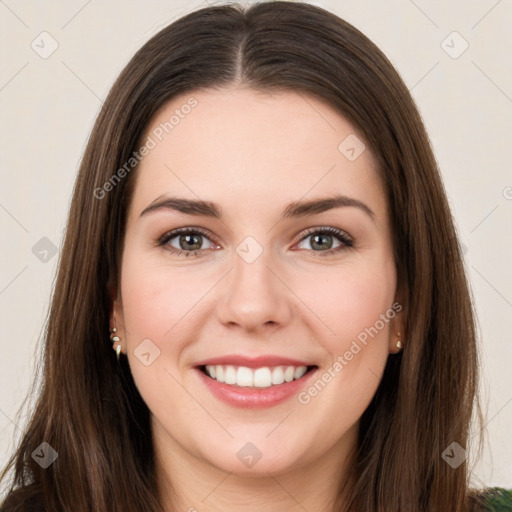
(498,499)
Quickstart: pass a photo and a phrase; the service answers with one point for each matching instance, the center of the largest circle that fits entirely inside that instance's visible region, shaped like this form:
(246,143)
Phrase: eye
(322,237)
(188,241)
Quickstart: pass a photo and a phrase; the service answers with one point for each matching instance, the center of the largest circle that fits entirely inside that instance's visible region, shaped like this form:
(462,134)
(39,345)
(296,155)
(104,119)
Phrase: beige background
(47,107)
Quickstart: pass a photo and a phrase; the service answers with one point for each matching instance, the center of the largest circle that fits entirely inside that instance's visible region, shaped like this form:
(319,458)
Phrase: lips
(261,393)
(251,397)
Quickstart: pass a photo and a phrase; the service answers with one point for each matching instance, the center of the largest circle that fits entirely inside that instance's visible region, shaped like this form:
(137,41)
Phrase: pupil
(325,238)
(188,238)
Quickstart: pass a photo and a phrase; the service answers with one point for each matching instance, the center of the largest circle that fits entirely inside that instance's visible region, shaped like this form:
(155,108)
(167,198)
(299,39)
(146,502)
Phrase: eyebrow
(294,209)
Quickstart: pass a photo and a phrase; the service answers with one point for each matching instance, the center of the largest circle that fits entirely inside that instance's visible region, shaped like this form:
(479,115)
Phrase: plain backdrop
(453,55)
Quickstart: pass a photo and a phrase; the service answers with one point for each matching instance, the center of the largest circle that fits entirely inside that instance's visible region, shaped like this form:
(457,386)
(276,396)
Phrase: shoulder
(492,499)
(498,499)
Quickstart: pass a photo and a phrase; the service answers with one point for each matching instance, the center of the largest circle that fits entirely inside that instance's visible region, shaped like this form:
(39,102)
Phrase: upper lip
(253,362)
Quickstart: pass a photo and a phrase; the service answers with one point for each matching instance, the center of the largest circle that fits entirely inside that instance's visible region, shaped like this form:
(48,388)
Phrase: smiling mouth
(255,378)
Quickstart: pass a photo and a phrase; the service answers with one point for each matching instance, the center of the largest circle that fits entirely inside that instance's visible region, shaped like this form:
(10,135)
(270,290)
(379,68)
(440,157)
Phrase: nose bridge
(255,295)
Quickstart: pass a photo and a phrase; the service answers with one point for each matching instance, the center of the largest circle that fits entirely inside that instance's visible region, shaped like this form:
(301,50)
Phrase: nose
(254,296)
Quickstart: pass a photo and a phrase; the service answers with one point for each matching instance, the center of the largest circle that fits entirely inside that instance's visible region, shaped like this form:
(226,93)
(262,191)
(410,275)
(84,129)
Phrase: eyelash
(346,241)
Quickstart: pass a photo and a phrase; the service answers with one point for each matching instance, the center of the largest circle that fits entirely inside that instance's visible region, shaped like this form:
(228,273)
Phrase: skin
(253,154)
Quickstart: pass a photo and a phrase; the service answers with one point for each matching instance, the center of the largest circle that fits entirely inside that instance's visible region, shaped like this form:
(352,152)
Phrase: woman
(252,368)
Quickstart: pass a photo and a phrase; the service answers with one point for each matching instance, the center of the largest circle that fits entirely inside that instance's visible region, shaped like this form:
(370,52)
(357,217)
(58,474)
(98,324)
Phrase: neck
(191,483)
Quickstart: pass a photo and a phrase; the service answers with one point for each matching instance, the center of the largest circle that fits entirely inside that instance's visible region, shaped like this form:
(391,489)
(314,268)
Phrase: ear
(397,324)
(116,317)
(113,296)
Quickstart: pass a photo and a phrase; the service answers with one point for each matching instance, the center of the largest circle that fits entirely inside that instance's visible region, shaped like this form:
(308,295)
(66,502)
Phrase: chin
(241,456)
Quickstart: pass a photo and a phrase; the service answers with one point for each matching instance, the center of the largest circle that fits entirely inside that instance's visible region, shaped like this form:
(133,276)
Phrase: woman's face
(260,280)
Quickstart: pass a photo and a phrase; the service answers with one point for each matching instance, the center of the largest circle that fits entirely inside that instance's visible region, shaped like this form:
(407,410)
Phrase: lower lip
(252,398)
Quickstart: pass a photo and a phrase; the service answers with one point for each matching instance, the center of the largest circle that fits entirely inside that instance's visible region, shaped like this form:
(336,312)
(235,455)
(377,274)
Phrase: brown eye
(321,240)
(184,241)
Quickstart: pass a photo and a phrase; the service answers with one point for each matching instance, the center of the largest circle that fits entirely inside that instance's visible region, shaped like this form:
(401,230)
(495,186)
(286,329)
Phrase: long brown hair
(89,409)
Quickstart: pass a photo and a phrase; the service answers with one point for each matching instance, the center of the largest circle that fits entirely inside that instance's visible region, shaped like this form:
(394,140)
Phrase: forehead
(256,148)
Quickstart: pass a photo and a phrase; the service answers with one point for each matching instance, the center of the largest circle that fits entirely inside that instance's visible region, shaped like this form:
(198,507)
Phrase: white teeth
(260,377)
(230,375)
(288,373)
(244,376)
(278,375)
(299,372)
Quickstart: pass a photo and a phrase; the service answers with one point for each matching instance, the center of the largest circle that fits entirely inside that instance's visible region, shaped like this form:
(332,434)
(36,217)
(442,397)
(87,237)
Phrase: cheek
(156,304)
(351,300)
(155,295)
(358,311)
(143,296)
(365,299)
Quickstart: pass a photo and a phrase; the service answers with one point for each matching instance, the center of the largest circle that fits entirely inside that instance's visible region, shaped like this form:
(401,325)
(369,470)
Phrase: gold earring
(115,339)
(398,343)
